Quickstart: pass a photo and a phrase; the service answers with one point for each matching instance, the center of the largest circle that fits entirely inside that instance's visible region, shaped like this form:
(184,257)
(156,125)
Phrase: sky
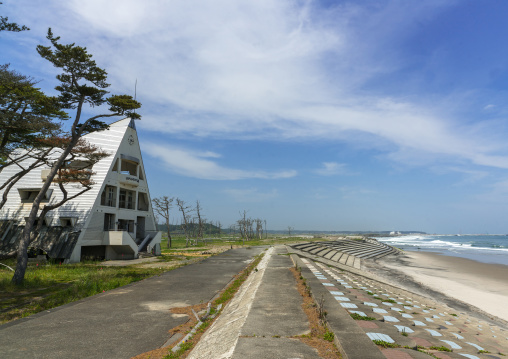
(317,115)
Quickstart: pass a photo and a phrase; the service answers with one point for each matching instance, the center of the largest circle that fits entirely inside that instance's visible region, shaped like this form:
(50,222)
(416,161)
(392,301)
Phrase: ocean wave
(450,242)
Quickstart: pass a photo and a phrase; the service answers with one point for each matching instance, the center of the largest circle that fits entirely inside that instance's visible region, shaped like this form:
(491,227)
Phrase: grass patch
(328,336)
(357,316)
(50,285)
(441,348)
(384,344)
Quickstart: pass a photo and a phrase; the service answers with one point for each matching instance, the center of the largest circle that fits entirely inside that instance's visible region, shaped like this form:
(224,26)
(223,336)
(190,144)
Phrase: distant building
(113,220)
(395,233)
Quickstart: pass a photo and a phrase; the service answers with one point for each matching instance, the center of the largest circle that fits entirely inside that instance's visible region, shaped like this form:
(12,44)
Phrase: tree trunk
(22,260)
(169,234)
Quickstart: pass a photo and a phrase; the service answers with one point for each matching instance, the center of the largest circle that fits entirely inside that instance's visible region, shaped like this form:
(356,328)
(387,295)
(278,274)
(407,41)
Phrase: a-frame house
(113,220)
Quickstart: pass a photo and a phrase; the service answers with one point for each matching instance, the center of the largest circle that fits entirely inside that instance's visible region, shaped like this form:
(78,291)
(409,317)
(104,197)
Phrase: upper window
(28,194)
(127,199)
(108,196)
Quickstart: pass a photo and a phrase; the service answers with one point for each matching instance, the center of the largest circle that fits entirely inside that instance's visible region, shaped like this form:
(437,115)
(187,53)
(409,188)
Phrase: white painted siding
(87,207)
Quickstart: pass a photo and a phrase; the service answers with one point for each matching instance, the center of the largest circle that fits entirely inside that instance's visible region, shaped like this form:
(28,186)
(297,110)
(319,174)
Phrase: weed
(328,336)
(455,315)
(357,316)
(441,348)
(386,344)
(483,352)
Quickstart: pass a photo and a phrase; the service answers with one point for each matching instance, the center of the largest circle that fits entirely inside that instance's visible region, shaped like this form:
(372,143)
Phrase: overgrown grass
(179,242)
(49,285)
(441,348)
(357,316)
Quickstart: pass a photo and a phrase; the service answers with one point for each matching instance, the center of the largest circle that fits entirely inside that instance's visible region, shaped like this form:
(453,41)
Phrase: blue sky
(319,115)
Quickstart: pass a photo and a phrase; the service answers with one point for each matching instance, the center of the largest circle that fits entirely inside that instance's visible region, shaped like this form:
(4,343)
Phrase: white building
(113,220)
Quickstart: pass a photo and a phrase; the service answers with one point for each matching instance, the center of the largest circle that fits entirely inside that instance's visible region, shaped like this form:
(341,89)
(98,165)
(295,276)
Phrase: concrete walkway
(262,317)
(124,322)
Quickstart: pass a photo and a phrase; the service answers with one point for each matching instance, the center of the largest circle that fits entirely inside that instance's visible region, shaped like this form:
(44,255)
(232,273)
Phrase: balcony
(128,179)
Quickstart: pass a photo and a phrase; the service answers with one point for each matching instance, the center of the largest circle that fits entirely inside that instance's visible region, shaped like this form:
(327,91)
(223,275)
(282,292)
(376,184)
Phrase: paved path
(262,317)
(124,322)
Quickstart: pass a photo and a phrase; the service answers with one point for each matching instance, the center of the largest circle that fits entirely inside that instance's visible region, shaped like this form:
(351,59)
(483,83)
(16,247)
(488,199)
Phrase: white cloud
(250,194)
(274,69)
(197,164)
(331,168)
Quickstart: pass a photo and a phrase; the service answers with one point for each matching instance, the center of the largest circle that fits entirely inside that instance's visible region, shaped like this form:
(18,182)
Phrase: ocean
(481,248)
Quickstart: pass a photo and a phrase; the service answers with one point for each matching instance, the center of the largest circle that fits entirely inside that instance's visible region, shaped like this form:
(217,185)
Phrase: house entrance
(140,228)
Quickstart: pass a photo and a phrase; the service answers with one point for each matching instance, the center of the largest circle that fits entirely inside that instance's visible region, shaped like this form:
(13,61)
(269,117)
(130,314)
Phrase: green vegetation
(386,344)
(328,336)
(357,316)
(233,288)
(441,349)
(50,285)
(178,241)
(224,297)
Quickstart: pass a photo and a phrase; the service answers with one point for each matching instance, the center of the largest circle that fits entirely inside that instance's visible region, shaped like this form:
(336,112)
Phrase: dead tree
(162,205)
(259,228)
(186,210)
(289,230)
(201,221)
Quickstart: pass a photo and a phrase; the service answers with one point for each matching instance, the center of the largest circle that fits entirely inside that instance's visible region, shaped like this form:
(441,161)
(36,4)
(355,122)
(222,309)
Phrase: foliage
(27,115)
(81,82)
(329,336)
(357,316)
(50,285)
(441,348)
(5,25)
(386,344)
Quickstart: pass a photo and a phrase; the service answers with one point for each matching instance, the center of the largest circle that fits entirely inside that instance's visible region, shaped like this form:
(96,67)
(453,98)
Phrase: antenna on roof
(135,94)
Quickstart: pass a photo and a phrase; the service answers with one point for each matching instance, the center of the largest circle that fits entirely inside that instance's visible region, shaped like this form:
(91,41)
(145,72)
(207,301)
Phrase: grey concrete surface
(124,322)
(277,309)
(273,348)
(260,321)
(349,337)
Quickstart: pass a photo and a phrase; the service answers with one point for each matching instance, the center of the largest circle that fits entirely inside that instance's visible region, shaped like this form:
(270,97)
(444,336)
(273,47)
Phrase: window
(115,167)
(68,221)
(129,168)
(142,201)
(127,199)
(126,225)
(108,196)
(109,222)
(28,194)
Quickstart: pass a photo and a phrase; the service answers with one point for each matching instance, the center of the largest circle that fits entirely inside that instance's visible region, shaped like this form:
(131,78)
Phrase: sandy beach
(462,284)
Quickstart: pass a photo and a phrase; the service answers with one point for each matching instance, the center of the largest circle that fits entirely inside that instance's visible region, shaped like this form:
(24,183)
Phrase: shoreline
(477,288)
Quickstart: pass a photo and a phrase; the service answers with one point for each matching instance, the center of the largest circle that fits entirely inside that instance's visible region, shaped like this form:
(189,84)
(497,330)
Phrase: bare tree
(289,230)
(162,205)
(185,209)
(259,228)
(266,233)
(201,221)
